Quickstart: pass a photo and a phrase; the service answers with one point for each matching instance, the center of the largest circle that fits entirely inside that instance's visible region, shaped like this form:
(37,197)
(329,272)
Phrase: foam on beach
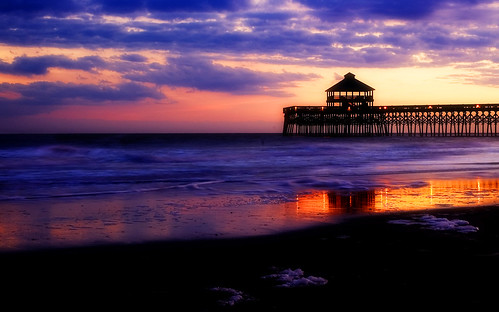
(295,278)
(431,222)
(231,296)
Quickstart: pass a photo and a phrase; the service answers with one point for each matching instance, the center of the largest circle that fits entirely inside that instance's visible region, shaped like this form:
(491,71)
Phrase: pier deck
(408,120)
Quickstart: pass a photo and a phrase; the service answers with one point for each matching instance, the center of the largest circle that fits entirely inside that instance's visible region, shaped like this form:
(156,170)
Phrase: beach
(248,222)
(392,260)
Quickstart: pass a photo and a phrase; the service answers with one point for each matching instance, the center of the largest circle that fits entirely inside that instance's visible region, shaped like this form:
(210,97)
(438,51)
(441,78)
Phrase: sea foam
(431,222)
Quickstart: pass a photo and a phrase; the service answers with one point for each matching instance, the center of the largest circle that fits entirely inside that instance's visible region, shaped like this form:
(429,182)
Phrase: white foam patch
(438,224)
(296,278)
(233,296)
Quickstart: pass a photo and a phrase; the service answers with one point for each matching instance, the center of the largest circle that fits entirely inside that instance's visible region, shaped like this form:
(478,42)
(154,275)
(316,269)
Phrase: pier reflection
(335,202)
(429,195)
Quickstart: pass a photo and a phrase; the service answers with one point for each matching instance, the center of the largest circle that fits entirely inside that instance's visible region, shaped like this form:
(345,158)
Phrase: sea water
(79,189)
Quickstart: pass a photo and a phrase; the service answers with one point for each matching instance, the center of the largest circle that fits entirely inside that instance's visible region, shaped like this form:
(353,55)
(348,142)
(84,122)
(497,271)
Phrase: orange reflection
(431,195)
(182,214)
(334,203)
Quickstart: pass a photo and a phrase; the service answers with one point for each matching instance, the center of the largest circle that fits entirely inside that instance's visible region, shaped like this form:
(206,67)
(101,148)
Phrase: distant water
(197,175)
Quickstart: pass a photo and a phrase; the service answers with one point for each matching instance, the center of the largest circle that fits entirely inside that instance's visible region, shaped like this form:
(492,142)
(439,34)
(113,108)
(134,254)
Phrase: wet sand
(368,262)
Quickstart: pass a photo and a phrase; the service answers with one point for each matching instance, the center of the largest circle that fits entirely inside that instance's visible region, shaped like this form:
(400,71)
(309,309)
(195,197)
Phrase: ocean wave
(101,164)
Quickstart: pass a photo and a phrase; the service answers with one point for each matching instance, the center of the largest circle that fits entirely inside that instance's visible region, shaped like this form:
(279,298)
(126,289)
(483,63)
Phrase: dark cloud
(119,7)
(45,96)
(59,32)
(408,10)
(29,8)
(202,74)
(39,65)
(129,6)
(133,58)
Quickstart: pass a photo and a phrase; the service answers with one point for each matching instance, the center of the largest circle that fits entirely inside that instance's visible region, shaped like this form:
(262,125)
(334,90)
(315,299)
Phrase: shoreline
(366,261)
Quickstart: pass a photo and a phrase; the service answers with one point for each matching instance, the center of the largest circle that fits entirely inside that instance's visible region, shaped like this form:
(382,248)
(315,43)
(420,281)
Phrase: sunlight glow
(392,23)
(241,27)
(422,58)
(375,34)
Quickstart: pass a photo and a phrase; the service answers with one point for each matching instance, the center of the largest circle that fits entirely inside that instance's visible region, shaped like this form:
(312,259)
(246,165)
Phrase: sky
(187,66)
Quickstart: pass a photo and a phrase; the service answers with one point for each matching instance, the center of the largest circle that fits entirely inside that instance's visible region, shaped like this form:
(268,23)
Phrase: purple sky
(184,66)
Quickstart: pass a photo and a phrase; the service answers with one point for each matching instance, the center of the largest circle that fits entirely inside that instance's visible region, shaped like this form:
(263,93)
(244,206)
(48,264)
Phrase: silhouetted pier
(350,111)
(409,120)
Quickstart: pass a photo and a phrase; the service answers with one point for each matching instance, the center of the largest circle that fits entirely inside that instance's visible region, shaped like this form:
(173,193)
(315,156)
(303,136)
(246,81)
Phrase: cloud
(203,74)
(29,8)
(39,65)
(120,7)
(130,6)
(406,10)
(133,58)
(320,33)
(367,33)
(45,96)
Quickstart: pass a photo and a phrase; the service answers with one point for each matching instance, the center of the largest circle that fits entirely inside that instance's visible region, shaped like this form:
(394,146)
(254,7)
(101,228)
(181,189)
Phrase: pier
(350,111)
(409,120)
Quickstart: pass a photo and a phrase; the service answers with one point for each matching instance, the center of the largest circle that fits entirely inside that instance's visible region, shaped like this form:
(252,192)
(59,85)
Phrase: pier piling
(408,120)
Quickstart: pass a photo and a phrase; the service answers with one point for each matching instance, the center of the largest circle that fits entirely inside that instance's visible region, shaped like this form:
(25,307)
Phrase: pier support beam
(414,120)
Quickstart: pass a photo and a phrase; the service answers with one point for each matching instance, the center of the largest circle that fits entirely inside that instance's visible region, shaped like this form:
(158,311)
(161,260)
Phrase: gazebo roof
(349,83)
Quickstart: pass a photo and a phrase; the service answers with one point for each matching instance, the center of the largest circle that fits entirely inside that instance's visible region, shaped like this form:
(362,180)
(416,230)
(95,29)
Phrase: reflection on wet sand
(430,195)
(148,216)
(335,203)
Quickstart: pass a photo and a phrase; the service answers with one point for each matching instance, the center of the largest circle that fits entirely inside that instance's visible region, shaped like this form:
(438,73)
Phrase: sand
(391,261)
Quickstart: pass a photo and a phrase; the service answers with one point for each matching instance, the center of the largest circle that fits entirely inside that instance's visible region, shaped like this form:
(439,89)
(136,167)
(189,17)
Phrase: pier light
(384,107)
(429,107)
(296,108)
(322,107)
(477,106)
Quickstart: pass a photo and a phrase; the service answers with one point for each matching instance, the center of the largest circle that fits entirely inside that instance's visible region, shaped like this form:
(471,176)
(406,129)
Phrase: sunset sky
(231,66)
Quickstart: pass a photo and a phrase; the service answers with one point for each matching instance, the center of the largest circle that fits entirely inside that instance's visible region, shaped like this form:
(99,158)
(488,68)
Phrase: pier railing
(408,120)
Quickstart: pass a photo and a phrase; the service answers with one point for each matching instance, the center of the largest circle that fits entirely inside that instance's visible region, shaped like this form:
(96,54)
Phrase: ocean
(59,190)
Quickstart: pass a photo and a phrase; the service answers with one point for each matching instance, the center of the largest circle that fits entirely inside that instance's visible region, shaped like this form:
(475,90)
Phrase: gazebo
(350,92)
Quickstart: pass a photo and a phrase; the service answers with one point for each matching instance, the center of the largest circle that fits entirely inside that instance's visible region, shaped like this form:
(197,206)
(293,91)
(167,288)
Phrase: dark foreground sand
(367,262)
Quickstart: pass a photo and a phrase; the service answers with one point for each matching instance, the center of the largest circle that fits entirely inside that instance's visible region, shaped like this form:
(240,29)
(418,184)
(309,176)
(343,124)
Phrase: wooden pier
(408,120)
(350,111)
